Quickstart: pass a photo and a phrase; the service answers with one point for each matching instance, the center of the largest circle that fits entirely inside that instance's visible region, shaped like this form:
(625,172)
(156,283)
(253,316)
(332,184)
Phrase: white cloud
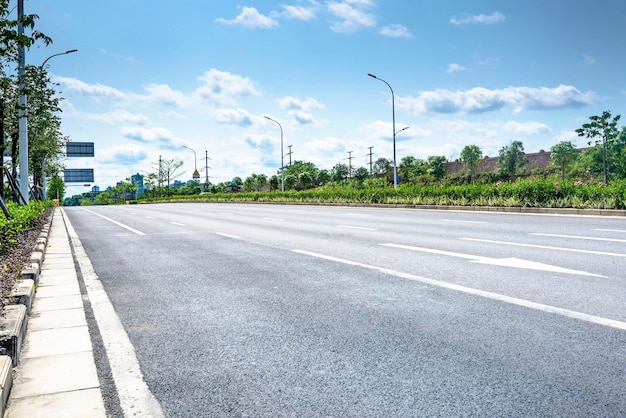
(352,15)
(158,136)
(396,31)
(302,118)
(122,154)
(89,89)
(118,116)
(222,87)
(454,67)
(239,117)
(250,18)
(479,99)
(526,128)
(299,12)
(495,17)
(164,94)
(293,103)
(588,60)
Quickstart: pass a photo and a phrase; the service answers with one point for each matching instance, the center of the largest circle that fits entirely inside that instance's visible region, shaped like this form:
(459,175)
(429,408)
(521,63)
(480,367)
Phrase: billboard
(79,149)
(78,175)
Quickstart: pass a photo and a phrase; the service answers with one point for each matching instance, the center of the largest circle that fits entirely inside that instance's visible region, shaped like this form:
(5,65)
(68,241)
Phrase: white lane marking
(128,228)
(477,292)
(503,262)
(149,217)
(579,237)
(176,223)
(228,235)
(611,230)
(273,219)
(356,227)
(465,222)
(518,244)
(135,397)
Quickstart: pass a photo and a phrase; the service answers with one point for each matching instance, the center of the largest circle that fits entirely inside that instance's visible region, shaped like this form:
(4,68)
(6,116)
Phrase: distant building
(137,180)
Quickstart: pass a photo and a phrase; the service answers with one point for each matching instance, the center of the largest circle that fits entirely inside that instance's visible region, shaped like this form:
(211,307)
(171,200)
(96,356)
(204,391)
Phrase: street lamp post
(282,155)
(196,175)
(393,116)
(43,163)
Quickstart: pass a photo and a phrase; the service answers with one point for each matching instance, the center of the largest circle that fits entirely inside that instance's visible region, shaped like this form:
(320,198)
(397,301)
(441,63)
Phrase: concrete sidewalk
(56,375)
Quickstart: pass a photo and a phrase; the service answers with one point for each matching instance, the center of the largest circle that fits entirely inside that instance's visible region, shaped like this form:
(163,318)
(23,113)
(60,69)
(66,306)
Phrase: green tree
(437,166)
(56,189)
(360,175)
(562,154)
(340,172)
(323,177)
(471,156)
(511,158)
(409,169)
(602,130)
(383,167)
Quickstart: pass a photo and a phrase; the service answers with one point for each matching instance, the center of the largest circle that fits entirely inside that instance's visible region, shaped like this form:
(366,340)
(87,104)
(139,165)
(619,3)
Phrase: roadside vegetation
(18,237)
(590,178)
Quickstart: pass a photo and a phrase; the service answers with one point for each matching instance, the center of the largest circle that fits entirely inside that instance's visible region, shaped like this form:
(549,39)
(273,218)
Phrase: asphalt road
(294,311)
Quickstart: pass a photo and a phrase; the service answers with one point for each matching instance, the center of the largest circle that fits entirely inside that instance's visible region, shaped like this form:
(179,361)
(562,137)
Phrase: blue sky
(152,76)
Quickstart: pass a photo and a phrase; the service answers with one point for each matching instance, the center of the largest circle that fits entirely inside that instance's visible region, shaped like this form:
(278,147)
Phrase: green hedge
(535,193)
(22,217)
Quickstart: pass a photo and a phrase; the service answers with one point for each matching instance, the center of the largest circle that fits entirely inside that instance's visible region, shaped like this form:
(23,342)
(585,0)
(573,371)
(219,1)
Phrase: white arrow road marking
(519,244)
(503,262)
(477,292)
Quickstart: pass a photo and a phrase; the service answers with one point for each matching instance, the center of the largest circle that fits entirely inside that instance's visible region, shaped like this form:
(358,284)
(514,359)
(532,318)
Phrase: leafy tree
(360,175)
(275,182)
(323,177)
(340,172)
(603,130)
(306,180)
(471,156)
(437,166)
(290,181)
(383,167)
(409,169)
(56,189)
(511,158)
(563,153)
(10,43)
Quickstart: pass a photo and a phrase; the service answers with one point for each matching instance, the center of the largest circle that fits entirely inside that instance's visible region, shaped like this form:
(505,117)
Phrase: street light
(403,129)
(43,164)
(196,175)
(282,155)
(56,55)
(393,116)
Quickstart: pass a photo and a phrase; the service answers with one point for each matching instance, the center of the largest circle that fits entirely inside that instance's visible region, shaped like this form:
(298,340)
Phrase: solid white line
(545,247)
(176,223)
(135,397)
(579,237)
(356,227)
(228,235)
(611,230)
(128,228)
(476,292)
(273,219)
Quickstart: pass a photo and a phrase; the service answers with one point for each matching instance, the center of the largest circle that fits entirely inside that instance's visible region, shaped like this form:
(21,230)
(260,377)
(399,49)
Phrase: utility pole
(370,155)
(350,164)
(289,153)
(206,167)
(21,111)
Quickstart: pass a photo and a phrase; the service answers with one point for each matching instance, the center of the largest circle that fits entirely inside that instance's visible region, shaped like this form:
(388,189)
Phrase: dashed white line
(228,235)
(356,227)
(477,292)
(177,224)
(579,237)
